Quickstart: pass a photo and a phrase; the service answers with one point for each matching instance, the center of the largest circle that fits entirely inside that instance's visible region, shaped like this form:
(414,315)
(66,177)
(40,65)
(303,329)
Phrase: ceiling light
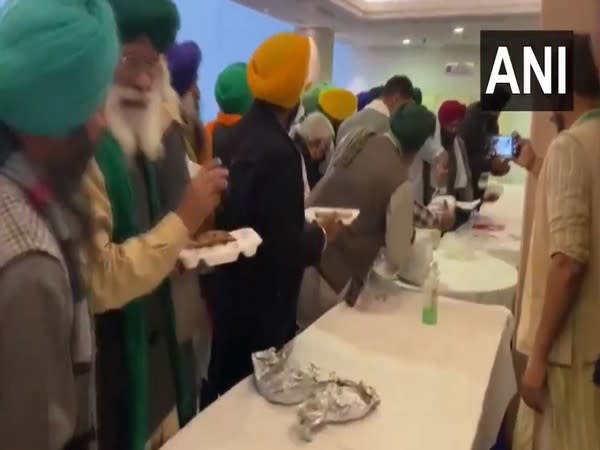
(458,30)
(406,41)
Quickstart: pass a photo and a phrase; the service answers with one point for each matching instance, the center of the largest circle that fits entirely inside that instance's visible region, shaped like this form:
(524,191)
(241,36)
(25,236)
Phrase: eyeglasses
(138,65)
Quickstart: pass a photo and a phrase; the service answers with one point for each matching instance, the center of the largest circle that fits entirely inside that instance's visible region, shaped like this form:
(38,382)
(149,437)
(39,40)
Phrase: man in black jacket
(255,308)
(481,123)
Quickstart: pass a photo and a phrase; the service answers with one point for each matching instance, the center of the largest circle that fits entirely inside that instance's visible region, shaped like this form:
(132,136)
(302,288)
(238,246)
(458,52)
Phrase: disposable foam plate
(406,285)
(312,212)
(246,242)
(468,206)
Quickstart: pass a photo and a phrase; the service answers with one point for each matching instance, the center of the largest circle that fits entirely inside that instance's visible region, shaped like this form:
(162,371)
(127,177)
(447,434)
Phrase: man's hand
(533,385)
(499,166)
(526,156)
(202,196)
(332,228)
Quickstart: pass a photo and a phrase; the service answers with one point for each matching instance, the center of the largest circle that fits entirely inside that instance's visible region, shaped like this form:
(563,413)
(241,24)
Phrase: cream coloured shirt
(119,273)
(566,220)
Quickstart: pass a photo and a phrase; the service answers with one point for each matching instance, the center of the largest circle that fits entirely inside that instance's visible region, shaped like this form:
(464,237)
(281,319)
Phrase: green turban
(417,95)
(57,61)
(158,20)
(412,125)
(310,100)
(231,90)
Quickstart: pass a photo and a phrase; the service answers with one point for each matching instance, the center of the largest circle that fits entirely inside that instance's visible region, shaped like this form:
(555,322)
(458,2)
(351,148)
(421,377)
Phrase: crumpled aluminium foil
(336,401)
(279,383)
(321,400)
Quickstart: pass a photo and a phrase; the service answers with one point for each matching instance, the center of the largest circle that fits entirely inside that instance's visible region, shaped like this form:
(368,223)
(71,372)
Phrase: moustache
(134,96)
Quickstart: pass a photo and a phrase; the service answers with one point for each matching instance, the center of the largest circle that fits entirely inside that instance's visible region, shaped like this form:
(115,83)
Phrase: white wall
(360,68)
(227,32)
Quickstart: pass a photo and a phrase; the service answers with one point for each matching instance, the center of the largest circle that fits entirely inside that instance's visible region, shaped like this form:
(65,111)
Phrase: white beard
(136,129)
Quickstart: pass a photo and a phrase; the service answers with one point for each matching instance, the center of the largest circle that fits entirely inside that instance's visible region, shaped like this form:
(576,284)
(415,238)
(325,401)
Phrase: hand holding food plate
(215,248)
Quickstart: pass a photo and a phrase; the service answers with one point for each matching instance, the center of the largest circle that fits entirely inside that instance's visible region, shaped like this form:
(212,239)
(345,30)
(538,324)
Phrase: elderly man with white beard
(144,208)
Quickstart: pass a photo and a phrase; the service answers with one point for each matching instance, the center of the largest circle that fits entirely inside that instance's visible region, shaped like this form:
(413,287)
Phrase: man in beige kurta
(558,330)
(167,209)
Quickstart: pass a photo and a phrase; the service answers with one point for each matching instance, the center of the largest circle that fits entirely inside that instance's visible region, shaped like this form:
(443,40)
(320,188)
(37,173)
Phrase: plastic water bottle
(430,295)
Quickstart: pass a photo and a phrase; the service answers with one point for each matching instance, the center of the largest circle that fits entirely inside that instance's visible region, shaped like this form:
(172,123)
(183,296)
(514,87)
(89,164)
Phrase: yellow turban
(279,68)
(338,104)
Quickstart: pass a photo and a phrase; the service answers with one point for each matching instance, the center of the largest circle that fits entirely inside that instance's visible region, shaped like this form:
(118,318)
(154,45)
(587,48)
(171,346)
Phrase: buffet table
(442,387)
(478,278)
(493,237)
(506,213)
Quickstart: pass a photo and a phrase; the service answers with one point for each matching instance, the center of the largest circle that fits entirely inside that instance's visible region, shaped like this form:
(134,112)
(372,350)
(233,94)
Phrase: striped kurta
(573,413)
(566,221)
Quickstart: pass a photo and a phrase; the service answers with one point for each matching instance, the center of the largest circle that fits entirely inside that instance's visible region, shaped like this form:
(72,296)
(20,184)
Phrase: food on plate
(336,216)
(212,239)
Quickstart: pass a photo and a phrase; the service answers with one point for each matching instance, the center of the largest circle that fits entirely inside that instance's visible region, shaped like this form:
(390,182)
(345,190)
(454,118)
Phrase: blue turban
(364,98)
(57,61)
(184,60)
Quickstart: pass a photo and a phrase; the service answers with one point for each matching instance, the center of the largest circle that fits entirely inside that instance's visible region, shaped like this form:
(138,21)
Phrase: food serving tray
(320,213)
(246,242)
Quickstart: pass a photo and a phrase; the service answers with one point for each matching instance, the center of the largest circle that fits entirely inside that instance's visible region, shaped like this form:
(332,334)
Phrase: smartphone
(503,145)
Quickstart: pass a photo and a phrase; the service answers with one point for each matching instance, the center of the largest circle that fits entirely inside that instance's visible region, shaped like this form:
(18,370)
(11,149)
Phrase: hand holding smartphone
(504,146)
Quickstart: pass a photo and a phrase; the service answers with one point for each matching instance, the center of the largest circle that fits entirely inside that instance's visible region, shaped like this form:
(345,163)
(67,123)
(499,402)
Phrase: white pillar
(324,39)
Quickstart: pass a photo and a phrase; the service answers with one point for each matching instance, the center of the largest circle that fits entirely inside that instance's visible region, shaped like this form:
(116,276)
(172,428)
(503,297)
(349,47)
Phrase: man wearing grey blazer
(371,174)
(375,116)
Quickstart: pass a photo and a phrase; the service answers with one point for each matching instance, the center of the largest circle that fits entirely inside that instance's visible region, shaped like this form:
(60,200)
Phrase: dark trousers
(231,362)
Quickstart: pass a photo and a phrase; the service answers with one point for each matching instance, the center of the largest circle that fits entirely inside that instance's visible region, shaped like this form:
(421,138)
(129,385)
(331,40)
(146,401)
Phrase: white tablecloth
(490,276)
(507,212)
(442,387)
(480,279)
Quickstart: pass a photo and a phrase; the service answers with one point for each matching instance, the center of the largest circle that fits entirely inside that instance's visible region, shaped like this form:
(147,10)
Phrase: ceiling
(388,23)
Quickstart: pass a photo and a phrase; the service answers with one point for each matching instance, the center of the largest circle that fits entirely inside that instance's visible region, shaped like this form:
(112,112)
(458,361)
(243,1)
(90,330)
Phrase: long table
(445,386)
(507,212)
(489,275)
